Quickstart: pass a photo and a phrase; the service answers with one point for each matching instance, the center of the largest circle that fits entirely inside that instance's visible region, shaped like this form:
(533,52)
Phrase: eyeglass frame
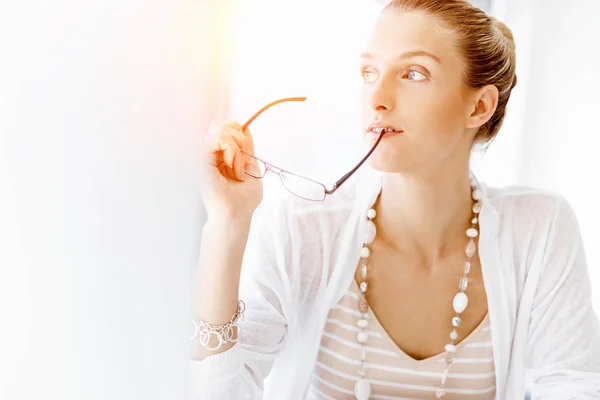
(278,171)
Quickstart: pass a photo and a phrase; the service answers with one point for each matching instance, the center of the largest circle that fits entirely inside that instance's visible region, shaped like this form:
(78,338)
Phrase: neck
(425,215)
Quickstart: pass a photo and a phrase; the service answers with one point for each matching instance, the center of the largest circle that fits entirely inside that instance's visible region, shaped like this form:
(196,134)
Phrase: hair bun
(506,32)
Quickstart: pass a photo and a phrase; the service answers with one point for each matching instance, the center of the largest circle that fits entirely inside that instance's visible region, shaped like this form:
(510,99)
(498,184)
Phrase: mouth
(375,132)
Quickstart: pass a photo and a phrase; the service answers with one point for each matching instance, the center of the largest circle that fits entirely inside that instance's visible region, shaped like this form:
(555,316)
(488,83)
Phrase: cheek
(434,113)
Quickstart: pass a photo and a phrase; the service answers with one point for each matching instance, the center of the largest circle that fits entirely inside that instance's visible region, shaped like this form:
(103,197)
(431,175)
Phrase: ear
(483,106)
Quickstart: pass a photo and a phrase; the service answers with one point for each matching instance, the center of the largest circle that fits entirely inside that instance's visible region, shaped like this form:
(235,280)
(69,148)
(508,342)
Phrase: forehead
(396,32)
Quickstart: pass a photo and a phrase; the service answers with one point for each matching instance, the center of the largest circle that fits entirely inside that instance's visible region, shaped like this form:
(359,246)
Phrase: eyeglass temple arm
(344,178)
(256,114)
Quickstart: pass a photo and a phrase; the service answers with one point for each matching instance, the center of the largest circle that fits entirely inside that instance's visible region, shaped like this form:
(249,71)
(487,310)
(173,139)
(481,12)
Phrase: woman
(416,280)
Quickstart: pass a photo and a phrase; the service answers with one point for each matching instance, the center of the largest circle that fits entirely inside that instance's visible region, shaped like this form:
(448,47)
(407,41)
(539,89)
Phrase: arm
(238,372)
(564,335)
(218,277)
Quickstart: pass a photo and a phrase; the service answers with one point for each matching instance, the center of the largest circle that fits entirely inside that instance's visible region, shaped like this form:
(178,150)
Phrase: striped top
(392,373)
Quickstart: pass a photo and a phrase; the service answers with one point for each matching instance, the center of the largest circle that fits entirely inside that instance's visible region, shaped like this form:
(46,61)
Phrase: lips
(379,125)
(375,135)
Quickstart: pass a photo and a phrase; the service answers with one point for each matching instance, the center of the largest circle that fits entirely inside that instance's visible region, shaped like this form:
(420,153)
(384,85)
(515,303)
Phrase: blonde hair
(487,48)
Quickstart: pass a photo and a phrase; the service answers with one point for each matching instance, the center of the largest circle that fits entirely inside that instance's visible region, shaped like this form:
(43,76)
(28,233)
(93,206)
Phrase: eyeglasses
(298,185)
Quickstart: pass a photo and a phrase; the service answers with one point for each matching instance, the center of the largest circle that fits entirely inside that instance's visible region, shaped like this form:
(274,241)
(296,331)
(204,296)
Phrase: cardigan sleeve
(564,335)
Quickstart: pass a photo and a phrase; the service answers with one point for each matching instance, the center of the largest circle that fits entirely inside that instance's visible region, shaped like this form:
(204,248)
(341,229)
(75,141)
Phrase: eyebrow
(407,55)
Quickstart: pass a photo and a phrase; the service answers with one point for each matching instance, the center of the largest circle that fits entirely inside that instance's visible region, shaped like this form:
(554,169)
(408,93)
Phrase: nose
(383,96)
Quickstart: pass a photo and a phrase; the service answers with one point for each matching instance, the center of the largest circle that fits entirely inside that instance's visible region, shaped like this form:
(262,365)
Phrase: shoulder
(523,204)
(534,222)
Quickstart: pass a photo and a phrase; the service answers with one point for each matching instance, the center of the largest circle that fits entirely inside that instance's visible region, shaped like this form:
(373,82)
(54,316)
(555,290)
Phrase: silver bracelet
(223,333)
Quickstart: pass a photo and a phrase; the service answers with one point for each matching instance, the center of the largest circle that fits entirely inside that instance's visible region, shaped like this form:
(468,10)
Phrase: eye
(414,75)
(369,75)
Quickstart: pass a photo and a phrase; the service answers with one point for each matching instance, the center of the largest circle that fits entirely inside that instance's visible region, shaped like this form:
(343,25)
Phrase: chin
(384,165)
(386,158)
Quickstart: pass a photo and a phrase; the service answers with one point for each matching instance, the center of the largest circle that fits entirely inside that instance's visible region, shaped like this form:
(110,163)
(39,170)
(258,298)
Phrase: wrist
(229,215)
(229,219)
(227,228)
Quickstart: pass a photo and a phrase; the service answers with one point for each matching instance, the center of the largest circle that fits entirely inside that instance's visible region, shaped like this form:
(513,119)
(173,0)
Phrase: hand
(227,191)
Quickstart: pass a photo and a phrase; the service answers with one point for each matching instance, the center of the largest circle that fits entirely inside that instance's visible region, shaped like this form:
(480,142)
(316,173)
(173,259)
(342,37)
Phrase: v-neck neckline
(418,363)
(494,277)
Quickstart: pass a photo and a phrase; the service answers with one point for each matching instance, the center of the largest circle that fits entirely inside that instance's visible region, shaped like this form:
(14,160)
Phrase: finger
(244,138)
(220,143)
(234,124)
(219,125)
(229,148)
(212,153)
(226,156)
(249,140)
(241,140)
(251,165)
(238,166)
(213,142)
(216,128)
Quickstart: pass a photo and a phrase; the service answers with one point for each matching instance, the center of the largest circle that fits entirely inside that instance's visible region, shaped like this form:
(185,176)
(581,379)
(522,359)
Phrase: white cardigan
(301,257)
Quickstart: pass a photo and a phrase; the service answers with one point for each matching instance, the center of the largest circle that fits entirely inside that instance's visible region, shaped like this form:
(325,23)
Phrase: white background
(100,216)
(101,119)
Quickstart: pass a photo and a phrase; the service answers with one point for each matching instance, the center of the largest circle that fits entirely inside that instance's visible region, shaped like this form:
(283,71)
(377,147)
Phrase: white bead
(362,337)
(365,252)
(450,348)
(463,283)
(363,354)
(477,194)
(363,271)
(456,321)
(470,249)
(445,376)
(453,335)
(460,302)
(477,208)
(369,233)
(440,394)
(371,213)
(474,221)
(472,232)
(362,389)
(364,286)
(467,267)
(362,323)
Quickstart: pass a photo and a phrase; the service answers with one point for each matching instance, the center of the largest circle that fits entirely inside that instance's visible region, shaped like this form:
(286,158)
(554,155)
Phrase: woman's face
(412,81)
